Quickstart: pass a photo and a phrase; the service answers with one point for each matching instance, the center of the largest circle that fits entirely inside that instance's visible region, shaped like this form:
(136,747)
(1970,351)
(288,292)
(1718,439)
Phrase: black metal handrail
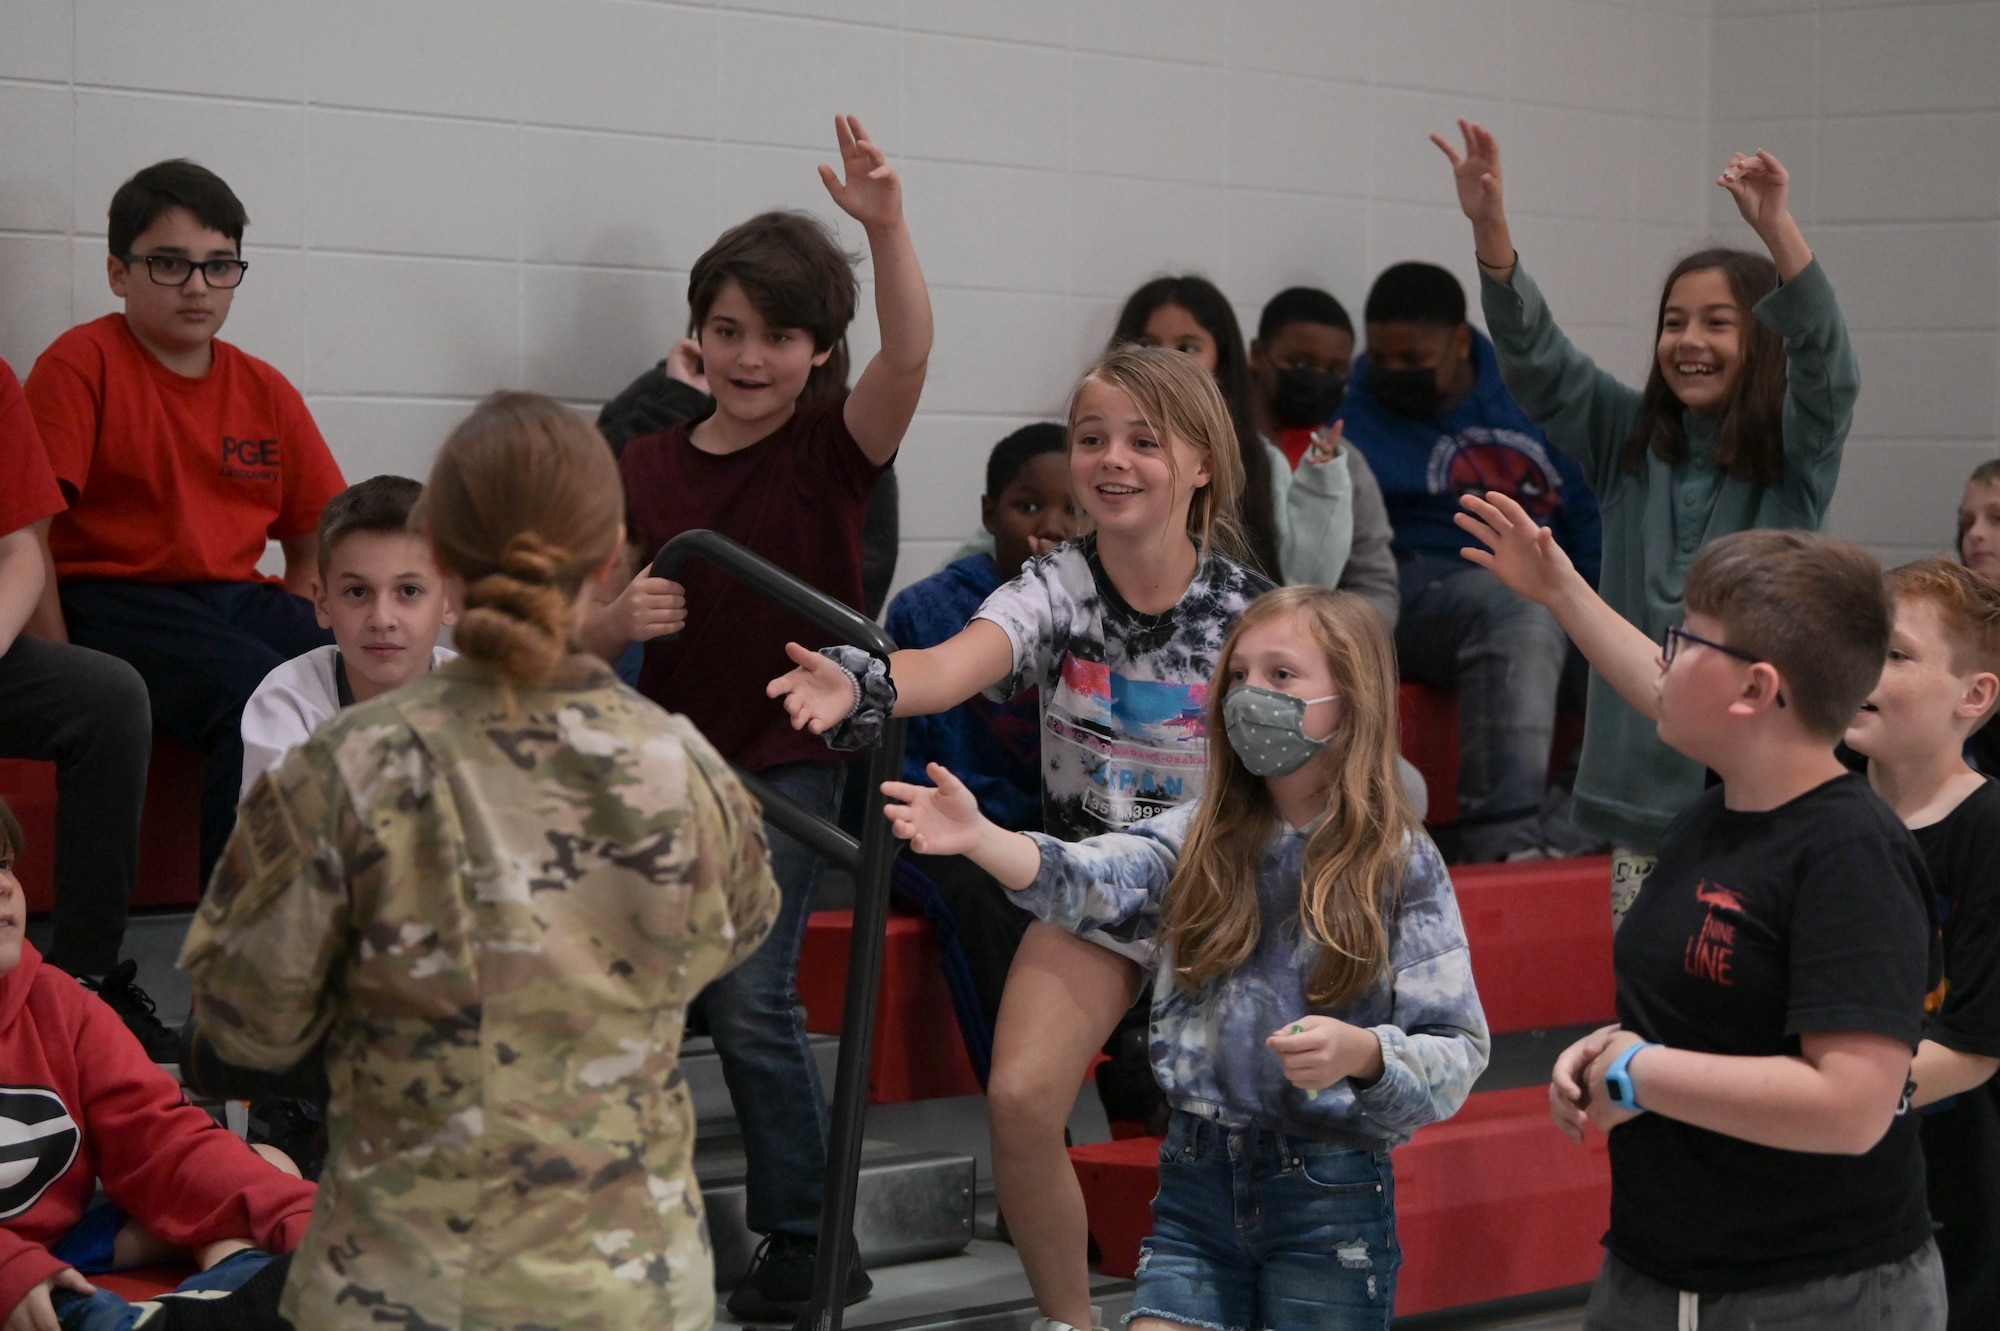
(870,864)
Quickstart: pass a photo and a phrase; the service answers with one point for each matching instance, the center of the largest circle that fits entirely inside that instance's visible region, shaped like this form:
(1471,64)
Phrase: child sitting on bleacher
(85,712)
(1765,1169)
(82,1103)
(996,747)
(1941,682)
(380,593)
(1315,1002)
(181,458)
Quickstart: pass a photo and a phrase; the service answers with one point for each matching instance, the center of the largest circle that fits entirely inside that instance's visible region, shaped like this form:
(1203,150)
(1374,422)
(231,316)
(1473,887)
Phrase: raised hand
(1519,551)
(649,608)
(1761,187)
(1569,1085)
(817,695)
(1325,446)
(872,193)
(936,820)
(684,364)
(1477,174)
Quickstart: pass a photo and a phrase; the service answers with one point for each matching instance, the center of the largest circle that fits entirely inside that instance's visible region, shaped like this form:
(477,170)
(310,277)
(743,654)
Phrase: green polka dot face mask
(1268,729)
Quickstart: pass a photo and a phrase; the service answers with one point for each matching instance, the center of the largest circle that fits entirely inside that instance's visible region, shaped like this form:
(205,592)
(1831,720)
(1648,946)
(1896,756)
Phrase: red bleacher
(918,1053)
(1427,720)
(169,829)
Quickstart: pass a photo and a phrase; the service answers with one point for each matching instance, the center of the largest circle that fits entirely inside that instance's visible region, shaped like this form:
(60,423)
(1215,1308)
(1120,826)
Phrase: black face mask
(1306,398)
(1412,393)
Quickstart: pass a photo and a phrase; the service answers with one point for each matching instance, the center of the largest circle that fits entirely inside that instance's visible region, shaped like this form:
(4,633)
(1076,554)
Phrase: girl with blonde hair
(1314,1004)
(1119,631)
(485,900)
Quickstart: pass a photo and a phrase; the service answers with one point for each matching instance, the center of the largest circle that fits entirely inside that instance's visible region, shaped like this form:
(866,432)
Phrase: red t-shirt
(171,479)
(82,1102)
(796,497)
(28,492)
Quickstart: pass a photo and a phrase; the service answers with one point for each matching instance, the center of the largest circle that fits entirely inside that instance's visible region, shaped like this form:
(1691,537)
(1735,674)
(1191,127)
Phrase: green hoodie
(1630,785)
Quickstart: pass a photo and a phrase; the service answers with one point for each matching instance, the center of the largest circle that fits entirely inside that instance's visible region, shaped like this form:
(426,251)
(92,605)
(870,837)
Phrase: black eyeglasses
(1670,647)
(174,270)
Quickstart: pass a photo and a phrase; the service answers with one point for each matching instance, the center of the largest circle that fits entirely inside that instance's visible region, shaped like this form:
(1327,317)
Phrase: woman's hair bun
(524,502)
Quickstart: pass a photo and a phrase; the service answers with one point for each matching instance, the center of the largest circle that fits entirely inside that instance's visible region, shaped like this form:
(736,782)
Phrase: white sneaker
(1051,1324)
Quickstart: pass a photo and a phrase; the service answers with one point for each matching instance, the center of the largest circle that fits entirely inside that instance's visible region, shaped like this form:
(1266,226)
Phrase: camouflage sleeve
(731,831)
(1110,884)
(1435,1043)
(274,921)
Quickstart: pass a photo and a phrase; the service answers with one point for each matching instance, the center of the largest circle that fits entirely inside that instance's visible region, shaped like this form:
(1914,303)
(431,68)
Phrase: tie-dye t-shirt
(1124,695)
(1207,1047)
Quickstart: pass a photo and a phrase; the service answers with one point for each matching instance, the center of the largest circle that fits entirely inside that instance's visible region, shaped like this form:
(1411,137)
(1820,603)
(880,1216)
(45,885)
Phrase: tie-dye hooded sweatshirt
(1208,1048)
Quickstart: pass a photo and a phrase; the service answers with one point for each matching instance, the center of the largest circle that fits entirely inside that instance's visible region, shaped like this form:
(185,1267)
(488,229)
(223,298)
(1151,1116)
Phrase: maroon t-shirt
(796,497)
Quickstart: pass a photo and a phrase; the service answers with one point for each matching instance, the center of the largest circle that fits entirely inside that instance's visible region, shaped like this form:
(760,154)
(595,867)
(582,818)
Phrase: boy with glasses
(1765,1162)
(180,457)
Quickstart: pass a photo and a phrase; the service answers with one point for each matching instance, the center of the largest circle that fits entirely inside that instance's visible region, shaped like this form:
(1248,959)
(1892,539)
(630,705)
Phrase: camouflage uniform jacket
(494,907)
(1208,1048)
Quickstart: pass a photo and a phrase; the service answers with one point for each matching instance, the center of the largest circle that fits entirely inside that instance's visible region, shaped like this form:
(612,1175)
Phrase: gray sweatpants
(1897,1296)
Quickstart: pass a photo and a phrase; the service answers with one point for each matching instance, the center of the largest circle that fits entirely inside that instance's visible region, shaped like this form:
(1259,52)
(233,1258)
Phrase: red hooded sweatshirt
(80,1101)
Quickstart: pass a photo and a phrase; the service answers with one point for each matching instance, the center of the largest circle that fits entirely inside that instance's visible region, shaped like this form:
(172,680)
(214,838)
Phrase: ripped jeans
(1253,1229)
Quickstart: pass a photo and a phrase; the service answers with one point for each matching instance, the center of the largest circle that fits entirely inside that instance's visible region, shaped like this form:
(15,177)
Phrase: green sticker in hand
(1300,1030)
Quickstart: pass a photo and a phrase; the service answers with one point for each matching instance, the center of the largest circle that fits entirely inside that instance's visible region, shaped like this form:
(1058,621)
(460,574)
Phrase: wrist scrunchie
(874,698)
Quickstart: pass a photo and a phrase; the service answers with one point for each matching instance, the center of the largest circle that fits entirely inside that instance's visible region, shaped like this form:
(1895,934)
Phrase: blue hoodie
(1484,443)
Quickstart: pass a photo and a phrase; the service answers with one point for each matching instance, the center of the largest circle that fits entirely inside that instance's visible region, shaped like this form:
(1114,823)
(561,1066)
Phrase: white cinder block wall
(449,196)
(1890,116)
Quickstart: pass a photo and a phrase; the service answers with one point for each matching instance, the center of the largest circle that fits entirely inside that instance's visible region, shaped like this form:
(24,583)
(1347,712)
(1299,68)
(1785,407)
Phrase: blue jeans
(105,1311)
(759,1029)
(1253,1229)
(1461,629)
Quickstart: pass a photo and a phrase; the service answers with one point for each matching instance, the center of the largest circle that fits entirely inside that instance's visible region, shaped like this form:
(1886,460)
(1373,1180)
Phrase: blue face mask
(1268,729)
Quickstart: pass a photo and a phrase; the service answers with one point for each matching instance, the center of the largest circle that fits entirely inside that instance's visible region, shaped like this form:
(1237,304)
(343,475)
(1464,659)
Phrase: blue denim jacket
(1208,1048)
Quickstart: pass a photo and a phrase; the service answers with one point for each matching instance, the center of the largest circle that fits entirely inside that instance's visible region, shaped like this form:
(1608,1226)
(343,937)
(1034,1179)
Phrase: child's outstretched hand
(935,820)
(872,193)
(36,1311)
(1316,1052)
(1761,187)
(817,695)
(649,608)
(1569,1085)
(1476,171)
(1519,551)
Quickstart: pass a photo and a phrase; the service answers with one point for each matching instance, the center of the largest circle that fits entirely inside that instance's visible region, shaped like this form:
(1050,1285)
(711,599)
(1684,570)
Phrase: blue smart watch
(1618,1080)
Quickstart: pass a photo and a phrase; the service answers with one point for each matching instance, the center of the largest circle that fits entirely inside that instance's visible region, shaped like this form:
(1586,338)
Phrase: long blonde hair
(523,502)
(1180,400)
(1210,919)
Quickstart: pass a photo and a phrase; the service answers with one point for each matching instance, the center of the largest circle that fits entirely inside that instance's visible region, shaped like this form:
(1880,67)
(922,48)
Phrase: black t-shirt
(1753,930)
(1961,1135)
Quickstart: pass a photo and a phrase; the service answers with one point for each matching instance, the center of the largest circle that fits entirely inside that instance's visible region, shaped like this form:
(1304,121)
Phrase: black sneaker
(134,1007)
(779,1284)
